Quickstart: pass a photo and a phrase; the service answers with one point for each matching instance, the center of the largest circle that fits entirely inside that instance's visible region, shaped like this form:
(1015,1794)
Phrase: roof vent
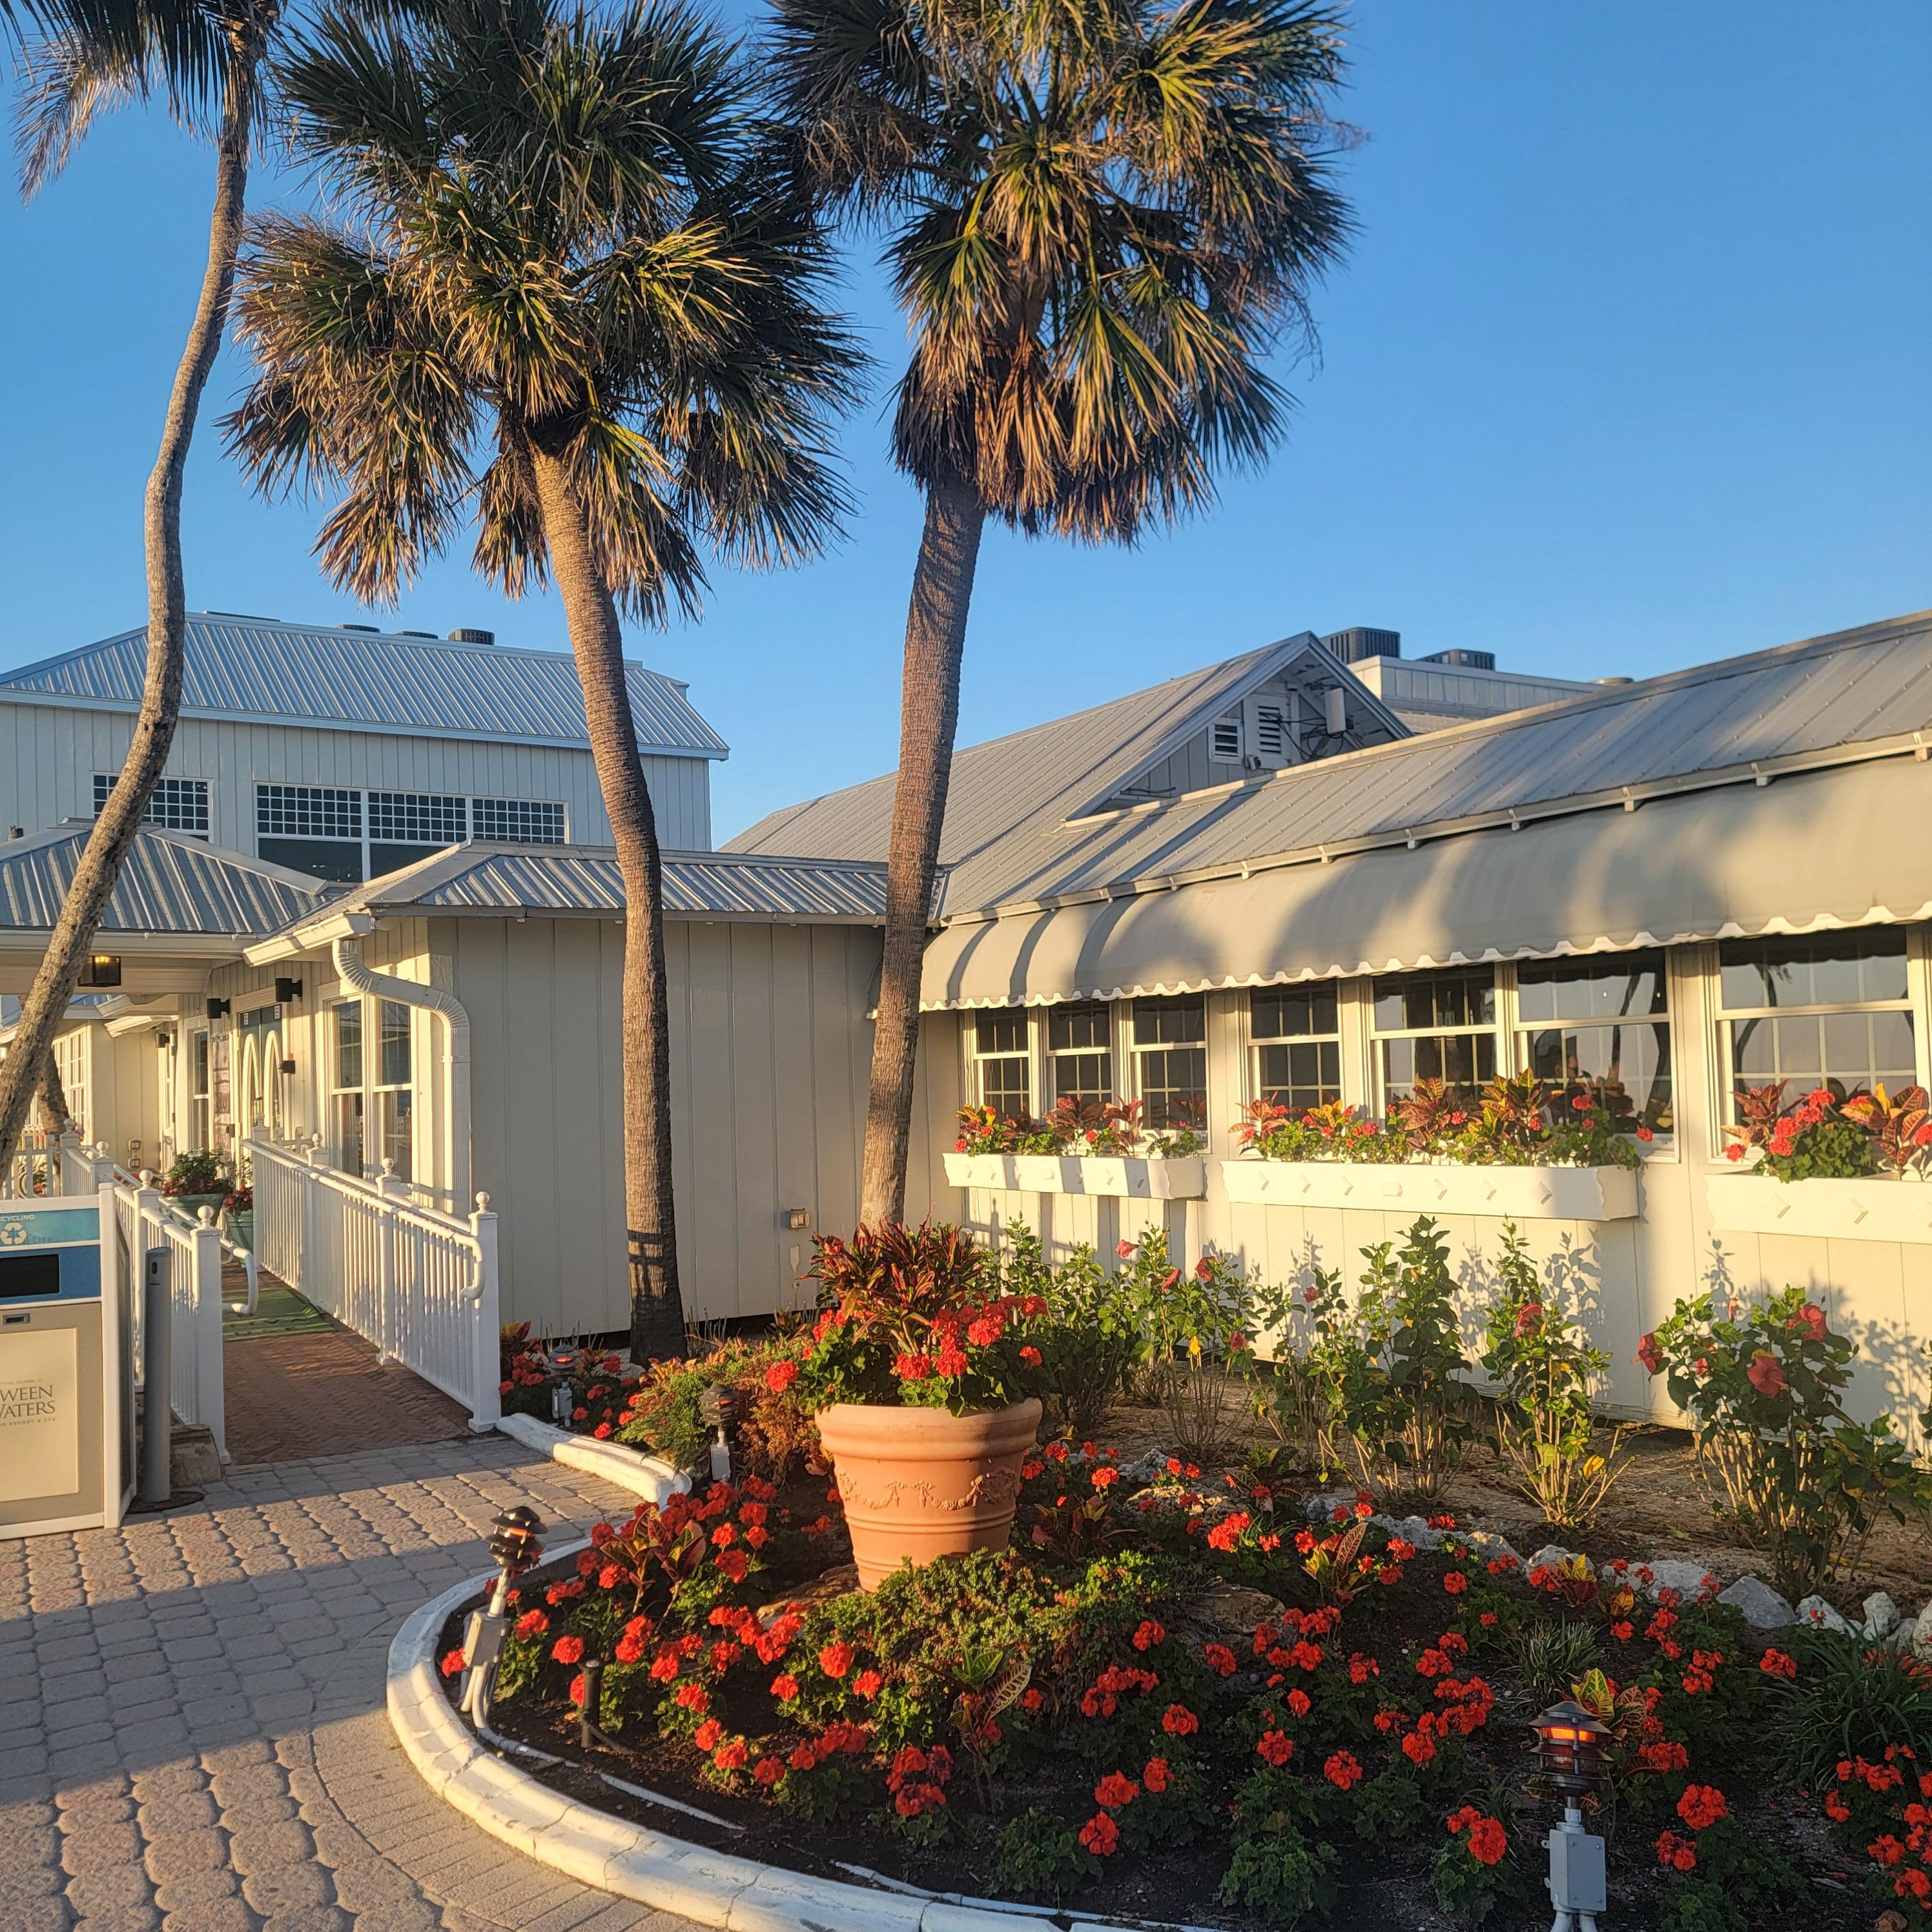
(1359,641)
(415,633)
(464,635)
(371,629)
(1463,660)
(1613,680)
(246,616)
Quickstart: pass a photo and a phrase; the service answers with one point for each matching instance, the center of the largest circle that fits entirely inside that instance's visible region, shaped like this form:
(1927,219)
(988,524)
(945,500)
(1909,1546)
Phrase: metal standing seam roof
(1829,699)
(585,880)
(1029,779)
(170,883)
(258,670)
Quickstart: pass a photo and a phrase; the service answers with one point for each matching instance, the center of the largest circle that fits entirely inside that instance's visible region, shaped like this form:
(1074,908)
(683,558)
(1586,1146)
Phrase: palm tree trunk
(51,1091)
(657,1307)
(114,831)
(942,594)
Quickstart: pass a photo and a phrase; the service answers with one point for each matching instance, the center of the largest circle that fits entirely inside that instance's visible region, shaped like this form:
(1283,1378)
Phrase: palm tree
(561,234)
(204,61)
(1102,214)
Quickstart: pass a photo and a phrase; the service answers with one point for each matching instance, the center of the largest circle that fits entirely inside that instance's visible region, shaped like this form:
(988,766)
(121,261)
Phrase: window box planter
(1425,1187)
(1122,1177)
(1874,1208)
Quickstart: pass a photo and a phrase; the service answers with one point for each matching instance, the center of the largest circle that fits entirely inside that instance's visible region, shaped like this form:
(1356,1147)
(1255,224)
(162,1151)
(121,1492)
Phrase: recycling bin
(66,1446)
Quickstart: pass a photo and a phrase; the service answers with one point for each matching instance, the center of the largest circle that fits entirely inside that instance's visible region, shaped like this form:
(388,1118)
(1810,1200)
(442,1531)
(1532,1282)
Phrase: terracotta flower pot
(918,1482)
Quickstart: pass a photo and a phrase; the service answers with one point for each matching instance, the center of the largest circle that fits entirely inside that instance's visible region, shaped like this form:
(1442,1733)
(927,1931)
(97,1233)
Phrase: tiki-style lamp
(513,1547)
(722,1408)
(1572,1748)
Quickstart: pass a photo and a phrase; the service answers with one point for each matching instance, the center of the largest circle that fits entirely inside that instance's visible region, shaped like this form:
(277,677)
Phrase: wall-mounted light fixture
(285,1065)
(103,969)
(287,991)
(218,1009)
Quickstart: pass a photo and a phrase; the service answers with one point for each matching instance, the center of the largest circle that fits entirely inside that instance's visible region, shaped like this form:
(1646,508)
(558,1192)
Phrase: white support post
(486,1403)
(205,1312)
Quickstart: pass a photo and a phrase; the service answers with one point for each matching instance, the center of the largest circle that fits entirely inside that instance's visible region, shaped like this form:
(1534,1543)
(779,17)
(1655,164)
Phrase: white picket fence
(40,1168)
(420,1284)
(144,1220)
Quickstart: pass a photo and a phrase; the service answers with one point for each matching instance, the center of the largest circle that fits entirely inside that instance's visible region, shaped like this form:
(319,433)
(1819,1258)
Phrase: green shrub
(1849,1701)
(1547,1372)
(1281,1871)
(1780,1459)
(1040,1856)
(1092,1337)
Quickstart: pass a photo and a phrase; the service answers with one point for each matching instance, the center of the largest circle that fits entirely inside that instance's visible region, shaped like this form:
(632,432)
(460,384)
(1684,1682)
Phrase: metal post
(156,1374)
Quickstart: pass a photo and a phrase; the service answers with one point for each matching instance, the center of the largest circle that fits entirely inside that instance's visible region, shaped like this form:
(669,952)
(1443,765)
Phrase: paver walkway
(192,1730)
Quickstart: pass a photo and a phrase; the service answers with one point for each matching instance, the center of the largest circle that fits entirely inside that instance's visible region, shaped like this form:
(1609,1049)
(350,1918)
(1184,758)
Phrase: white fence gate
(43,1166)
(144,1220)
(420,1284)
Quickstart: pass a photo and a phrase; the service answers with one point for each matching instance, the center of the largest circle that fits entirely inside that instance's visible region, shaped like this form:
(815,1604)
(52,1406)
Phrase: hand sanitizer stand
(66,1406)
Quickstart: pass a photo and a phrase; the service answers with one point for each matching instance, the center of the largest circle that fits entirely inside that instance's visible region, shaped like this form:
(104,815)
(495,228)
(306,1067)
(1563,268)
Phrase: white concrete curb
(650,1477)
(709,1887)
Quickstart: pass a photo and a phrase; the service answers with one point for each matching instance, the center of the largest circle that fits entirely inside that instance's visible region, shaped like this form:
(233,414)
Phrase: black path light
(1572,1748)
(513,1547)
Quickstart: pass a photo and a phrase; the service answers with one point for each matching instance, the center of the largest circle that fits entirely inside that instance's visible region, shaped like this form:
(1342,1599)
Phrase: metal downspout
(351,970)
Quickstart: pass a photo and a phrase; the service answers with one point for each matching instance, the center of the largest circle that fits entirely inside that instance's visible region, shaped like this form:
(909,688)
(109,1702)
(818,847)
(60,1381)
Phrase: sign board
(62,1408)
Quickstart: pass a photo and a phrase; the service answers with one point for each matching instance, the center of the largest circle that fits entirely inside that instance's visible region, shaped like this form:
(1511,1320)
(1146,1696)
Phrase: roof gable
(170,883)
(259,671)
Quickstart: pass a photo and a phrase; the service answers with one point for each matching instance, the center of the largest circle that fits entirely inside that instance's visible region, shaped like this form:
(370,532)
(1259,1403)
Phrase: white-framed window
(1170,1058)
(1600,1029)
(1002,1061)
(394,1093)
(1080,1051)
(1830,1009)
(200,1109)
(345,1063)
(416,818)
(181,805)
(517,821)
(1440,1026)
(1295,1035)
(221,1090)
(316,828)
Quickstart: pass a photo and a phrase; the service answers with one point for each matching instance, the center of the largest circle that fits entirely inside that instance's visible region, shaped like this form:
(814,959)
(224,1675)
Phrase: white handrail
(420,1284)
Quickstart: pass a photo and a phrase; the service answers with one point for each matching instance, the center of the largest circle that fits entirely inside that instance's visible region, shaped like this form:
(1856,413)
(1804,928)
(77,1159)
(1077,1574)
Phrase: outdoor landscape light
(1570,1747)
(513,1547)
(723,1409)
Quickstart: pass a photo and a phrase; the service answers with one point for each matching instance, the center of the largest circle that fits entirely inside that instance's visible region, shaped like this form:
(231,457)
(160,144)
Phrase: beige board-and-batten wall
(770,1046)
(49,754)
(1625,1274)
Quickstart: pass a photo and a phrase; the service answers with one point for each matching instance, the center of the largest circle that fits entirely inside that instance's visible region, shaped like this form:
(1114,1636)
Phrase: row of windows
(338,833)
(1832,1009)
(312,828)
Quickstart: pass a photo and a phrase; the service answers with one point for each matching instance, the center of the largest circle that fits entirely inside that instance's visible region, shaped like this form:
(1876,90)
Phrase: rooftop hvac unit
(1359,641)
(465,636)
(1464,660)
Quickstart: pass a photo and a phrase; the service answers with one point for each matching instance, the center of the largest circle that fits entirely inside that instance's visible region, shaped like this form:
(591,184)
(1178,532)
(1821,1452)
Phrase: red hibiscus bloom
(1764,1374)
(1650,1354)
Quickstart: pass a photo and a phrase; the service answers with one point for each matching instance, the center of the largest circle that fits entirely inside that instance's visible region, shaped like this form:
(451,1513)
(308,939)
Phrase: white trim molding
(1426,1187)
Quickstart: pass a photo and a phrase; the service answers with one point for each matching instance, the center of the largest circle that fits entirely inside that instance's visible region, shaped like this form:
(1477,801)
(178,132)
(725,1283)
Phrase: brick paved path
(192,1734)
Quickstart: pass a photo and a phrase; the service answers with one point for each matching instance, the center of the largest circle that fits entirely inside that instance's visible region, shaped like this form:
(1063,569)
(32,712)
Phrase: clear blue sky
(1630,369)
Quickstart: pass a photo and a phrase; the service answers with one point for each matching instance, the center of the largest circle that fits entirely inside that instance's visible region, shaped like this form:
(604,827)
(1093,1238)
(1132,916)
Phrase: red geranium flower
(1156,1775)
(1179,1721)
(781,1376)
(836,1658)
(1343,1770)
(1702,1806)
(453,1661)
(1277,1747)
(1100,1835)
(568,1650)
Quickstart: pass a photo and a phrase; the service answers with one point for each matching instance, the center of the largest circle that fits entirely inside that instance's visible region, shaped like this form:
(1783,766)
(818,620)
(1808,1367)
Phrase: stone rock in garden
(1322,1508)
(1820,1616)
(1145,1470)
(1760,1606)
(1677,1574)
(1906,1637)
(1413,1529)
(1489,1547)
(1922,1636)
(1881,1615)
(1553,1555)
(1231,1609)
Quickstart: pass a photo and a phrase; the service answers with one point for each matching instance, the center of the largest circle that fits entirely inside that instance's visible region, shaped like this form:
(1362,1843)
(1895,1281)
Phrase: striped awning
(1849,846)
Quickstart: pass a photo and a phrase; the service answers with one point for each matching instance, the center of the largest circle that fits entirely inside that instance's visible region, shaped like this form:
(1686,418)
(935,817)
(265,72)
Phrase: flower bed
(1186,1701)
